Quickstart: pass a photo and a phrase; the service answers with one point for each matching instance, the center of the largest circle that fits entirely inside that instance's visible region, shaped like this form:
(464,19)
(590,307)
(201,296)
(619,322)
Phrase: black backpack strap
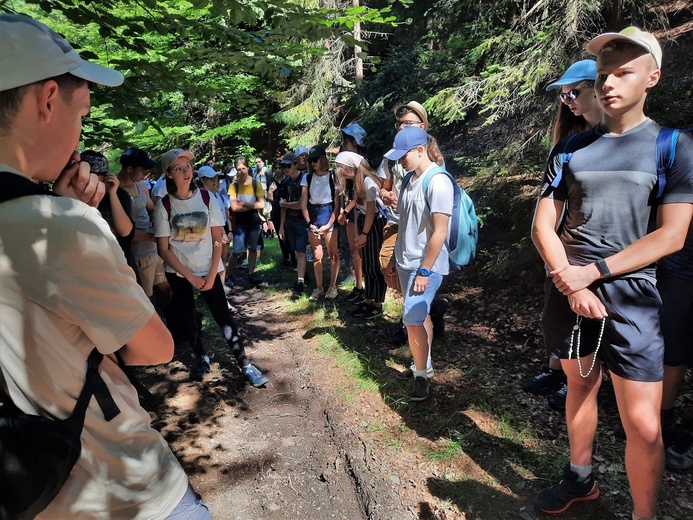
(15,186)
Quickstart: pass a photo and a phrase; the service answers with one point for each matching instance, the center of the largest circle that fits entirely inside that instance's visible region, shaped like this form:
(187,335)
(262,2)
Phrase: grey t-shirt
(607,186)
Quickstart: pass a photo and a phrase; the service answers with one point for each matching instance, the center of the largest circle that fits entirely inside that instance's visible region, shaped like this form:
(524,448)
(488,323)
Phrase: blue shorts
(191,507)
(417,306)
(320,214)
(297,234)
(245,237)
(632,346)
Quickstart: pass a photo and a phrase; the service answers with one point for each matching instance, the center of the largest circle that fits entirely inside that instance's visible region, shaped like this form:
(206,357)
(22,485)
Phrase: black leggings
(370,257)
(184,315)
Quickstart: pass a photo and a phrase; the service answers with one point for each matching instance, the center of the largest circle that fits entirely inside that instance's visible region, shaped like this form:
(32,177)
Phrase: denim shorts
(320,214)
(297,234)
(245,237)
(191,507)
(417,306)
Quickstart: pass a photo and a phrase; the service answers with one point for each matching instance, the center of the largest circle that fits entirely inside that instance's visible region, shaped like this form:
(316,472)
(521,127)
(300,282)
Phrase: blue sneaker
(254,376)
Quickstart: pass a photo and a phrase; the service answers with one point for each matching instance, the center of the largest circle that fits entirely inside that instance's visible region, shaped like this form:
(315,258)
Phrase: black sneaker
(254,279)
(680,454)
(356,295)
(420,390)
(548,380)
(557,399)
(286,262)
(372,312)
(439,307)
(561,496)
(400,338)
(200,369)
(362,310)
(298,290)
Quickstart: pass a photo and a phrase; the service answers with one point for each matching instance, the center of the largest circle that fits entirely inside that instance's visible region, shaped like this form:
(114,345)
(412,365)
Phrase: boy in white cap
(604,306)
(67,288)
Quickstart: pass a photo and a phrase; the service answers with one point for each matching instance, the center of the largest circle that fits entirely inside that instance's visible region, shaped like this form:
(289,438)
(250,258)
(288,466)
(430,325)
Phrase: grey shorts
(632,346)
(677,320)
(191,507)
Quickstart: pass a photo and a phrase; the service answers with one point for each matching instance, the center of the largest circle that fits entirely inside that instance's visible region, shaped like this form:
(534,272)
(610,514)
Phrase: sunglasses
(572,94)
(314,159)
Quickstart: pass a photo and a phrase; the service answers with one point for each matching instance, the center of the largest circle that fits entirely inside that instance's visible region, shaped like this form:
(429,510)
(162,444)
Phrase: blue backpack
(463,233)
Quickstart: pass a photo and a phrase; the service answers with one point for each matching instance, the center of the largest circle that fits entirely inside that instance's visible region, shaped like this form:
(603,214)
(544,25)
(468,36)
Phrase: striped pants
(370,256)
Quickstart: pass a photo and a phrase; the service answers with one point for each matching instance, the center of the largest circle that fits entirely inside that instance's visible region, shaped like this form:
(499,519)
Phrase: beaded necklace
(575,333)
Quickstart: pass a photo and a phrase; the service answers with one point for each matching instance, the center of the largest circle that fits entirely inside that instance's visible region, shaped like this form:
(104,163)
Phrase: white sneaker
(316,295)
(331,293)
(349,280)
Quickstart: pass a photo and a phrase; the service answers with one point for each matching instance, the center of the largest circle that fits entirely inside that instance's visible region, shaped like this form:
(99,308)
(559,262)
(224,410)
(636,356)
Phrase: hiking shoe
(439,307)
(372,312)
(409,372)
(331,293)
(200,369)
(298,290)
(356,295)
(561,496)
(229,283)
(400,338)
(680,454)
(316,295)
(244,264)
(254,279)
(254,376)
(361,310)
(420,390)
(547,380)
(557,399)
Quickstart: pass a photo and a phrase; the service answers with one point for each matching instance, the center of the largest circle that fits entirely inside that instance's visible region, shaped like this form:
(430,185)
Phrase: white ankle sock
(583,472)
(420,373)
(636,517)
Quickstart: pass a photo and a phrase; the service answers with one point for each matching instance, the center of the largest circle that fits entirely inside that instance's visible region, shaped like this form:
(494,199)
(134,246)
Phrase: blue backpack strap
(665,154)
(564,156)
(429,176)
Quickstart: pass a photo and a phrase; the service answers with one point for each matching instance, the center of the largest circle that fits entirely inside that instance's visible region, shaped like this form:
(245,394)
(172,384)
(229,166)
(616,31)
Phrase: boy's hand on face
(77,182)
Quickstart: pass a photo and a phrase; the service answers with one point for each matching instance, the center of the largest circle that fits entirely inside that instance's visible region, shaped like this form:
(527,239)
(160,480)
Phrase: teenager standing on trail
(321,209)
(66,288)
(188,228)
(578,111)
(293,228)
(247,197)
(600,254)
(420,250)
(360,184)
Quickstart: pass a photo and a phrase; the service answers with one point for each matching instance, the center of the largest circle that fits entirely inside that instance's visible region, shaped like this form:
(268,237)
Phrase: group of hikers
(75,277)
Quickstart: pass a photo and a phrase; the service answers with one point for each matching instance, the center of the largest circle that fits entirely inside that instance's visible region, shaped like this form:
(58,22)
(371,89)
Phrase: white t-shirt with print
(416,221)
(188,231)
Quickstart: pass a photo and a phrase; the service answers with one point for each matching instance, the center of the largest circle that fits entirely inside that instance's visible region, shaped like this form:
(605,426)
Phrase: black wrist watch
(424,272)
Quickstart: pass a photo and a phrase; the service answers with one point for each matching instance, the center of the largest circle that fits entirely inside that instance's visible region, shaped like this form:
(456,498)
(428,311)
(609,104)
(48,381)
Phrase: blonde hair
(357,190)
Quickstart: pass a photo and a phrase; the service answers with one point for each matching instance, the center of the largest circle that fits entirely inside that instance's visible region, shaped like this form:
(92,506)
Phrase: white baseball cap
(31,52)
(633,35)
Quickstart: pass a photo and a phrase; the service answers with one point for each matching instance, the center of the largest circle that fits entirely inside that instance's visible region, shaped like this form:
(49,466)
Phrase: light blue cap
(356,131)
(583,70)
(406,139)
(300,150)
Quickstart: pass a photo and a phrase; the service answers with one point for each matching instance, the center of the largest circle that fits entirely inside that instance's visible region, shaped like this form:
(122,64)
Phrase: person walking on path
(592,227)
(188,228)
(66,288)
(420,250)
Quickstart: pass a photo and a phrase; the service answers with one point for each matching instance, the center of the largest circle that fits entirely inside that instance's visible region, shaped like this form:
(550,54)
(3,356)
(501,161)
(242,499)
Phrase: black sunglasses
(314,159)
(572,94)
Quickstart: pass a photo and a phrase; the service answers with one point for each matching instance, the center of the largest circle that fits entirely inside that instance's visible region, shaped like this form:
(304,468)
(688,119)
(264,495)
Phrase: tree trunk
(358,67)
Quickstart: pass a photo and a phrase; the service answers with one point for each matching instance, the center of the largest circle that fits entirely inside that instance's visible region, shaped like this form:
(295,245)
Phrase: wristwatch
(424,272)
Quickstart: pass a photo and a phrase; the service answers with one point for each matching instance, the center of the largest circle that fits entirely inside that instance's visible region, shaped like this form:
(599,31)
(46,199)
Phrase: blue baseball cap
(300,150)
(583,70)
(406,139)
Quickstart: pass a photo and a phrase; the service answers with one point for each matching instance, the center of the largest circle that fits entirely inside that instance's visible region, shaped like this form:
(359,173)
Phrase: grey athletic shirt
(607,186)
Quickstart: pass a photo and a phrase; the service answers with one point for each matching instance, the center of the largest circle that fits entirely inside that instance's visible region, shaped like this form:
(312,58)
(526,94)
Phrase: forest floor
(333,435)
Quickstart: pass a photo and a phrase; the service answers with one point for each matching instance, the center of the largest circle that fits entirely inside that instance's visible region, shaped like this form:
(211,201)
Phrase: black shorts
(677,320)
(632,346)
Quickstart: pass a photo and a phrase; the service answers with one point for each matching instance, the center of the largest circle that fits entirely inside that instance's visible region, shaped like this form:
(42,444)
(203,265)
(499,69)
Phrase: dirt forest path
(333,435)
(279,452)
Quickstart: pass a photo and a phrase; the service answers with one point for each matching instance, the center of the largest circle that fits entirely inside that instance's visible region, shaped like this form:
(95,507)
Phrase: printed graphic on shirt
(189,227)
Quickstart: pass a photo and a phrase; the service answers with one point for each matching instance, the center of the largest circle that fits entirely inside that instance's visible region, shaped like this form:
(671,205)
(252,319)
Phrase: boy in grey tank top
(604,306)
